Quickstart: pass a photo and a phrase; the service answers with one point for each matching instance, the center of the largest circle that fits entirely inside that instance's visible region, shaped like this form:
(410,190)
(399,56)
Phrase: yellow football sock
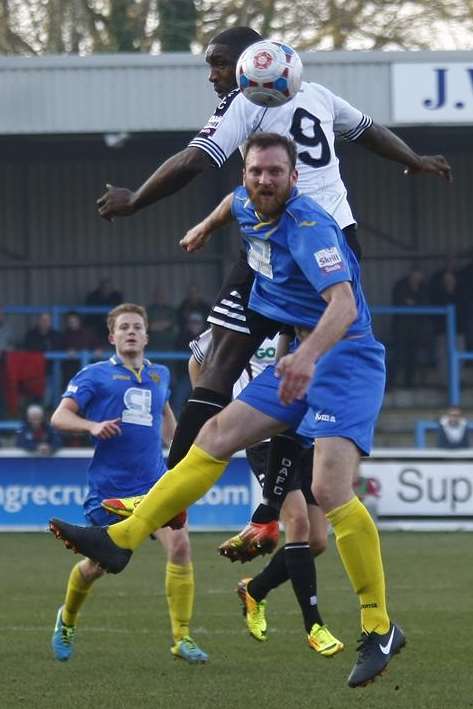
(76,593)
(358,545)
(180,597)
(174,492)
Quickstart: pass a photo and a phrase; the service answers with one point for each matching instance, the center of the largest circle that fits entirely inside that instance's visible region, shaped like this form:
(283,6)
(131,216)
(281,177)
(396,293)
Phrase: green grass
(122,654)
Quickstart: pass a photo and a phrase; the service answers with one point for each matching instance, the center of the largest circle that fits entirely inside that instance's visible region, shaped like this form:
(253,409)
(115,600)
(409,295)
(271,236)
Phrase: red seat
(25,375)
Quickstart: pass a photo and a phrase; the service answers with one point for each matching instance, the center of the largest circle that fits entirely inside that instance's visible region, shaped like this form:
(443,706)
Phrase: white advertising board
(432,93)
(410,488)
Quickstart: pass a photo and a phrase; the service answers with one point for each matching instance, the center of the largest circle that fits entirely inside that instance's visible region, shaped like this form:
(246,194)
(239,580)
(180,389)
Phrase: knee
(296,524)
(179,547)
(322,492)
(318,543)
(90,570)
(214,438)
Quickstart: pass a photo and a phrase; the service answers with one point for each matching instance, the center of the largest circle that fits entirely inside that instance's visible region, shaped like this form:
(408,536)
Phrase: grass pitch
(122,656)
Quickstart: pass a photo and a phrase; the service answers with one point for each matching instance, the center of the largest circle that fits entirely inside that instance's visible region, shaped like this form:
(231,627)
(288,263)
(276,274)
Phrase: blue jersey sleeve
(82,387)
(316,249)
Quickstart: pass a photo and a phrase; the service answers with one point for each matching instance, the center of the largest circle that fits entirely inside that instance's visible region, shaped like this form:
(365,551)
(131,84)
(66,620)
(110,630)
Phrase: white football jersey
(264,355)
(313,118)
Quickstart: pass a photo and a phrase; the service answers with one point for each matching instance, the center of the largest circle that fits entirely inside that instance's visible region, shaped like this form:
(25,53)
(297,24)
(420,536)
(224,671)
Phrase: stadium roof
(169,92)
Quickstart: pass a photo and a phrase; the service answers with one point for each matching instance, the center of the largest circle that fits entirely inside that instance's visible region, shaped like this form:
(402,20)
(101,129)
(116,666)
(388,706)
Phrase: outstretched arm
(384,142)
(169,178)
(199,235)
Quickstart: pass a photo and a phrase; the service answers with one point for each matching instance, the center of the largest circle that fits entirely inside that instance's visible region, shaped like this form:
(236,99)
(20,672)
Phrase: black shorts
(301,479)
(231,310)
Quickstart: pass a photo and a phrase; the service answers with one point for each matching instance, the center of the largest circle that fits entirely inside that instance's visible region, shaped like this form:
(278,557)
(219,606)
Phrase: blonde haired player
(123,403)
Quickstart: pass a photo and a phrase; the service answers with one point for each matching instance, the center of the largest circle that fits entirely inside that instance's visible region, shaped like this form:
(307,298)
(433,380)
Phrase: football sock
(264,513)
(174,492)
(283,455)
(301,570)
(76,593)
(199,408)
(359,548)
(180,597)
(273,575)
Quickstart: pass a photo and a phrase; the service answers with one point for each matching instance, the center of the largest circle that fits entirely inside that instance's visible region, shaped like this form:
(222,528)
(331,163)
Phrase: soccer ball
(269,73)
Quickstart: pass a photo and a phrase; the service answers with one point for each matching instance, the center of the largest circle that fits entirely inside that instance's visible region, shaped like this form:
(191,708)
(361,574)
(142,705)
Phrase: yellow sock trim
(174,492)
(180,597)
(359,548)
(76,593)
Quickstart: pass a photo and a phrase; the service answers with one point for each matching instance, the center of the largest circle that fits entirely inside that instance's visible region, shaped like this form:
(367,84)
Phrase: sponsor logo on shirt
(328,259)
(122,377)
(325,418)
(72,388)
(214,121)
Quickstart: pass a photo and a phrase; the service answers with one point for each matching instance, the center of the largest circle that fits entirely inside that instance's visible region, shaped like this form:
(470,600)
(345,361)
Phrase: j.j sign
(432,93)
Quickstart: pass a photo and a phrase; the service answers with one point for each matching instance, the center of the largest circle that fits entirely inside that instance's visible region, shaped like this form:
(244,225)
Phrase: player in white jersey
(314,118)
(237,331)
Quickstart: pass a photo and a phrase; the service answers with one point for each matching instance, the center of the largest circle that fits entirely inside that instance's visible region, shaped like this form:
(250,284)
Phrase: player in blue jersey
(123,403)
(314,118)
(307,276)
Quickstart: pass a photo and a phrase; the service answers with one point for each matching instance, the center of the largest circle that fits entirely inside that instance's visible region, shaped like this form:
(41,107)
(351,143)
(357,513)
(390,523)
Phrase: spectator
(6,344)
(162,322)
(192,303)
(76,337)
(6,333)
(409,331)
(453,430)
(194,325)
(104,295)
(43,337)
(444,290)
(465,285)
(36,435)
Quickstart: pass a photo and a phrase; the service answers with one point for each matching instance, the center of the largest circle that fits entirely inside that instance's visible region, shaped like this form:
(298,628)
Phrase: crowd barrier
(409,489)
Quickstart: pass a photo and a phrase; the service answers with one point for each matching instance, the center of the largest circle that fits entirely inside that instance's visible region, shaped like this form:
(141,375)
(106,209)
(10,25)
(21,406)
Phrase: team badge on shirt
(328,259)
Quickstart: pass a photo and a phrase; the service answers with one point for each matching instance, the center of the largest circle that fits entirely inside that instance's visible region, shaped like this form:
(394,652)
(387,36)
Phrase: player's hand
(116,202)
(195,239)
(295,371)
(106,429)
(433,165)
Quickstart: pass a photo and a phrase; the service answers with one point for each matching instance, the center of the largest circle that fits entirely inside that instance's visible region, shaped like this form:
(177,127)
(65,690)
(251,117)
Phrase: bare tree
(342,24)
(87,26)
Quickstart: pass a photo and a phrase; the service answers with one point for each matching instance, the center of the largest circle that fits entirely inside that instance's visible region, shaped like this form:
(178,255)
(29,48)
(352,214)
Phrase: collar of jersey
(116,360)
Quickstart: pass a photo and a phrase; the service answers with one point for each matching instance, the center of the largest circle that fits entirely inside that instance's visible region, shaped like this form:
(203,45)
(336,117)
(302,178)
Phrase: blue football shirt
(130,463)
(295,258)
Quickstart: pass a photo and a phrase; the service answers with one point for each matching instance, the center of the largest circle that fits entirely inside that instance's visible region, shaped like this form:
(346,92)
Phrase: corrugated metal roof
(129,92)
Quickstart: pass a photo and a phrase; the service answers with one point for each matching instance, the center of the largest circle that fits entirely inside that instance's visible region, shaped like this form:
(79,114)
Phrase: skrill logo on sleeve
(328,259)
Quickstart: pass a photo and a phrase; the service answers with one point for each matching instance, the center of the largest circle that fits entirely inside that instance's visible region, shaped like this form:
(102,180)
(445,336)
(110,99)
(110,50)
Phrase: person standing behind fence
(409,334)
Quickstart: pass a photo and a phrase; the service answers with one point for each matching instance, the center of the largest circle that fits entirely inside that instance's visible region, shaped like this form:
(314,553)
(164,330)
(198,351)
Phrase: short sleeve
(348,122)
(229,127)
(316,250)
(82,387)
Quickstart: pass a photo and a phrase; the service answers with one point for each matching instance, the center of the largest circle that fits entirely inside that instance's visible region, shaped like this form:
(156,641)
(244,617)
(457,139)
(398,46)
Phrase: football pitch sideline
(122,656)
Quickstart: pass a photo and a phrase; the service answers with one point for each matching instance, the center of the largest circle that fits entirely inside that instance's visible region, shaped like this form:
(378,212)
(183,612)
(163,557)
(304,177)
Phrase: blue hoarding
(34,489)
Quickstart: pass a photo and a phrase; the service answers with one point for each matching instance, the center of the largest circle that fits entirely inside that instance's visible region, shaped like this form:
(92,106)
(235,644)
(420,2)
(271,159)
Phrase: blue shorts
(97,516)
(345,395)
